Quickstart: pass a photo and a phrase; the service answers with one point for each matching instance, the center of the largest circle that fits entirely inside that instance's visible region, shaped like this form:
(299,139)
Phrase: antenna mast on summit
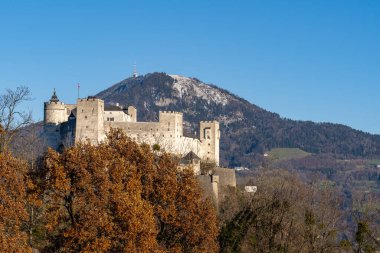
(134,74)
(78,89)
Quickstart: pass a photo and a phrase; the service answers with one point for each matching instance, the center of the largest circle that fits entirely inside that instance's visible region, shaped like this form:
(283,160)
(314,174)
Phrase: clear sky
(306,60)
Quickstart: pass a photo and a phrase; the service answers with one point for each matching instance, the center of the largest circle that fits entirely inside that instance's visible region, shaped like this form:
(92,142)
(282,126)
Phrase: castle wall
(205,182)
(227,179)
(169,139)
(226,176)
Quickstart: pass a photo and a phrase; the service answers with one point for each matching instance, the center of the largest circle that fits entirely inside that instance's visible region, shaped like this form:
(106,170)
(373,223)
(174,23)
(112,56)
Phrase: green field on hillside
(287,153)
(374,162)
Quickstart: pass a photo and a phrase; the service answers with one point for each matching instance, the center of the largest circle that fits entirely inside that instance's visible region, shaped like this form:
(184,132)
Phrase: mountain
(247,131)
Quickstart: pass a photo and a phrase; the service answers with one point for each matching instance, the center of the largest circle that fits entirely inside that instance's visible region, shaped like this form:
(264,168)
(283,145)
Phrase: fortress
(90,120)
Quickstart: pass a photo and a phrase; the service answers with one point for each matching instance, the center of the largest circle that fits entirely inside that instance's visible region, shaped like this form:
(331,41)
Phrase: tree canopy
(13,210)
(120,197)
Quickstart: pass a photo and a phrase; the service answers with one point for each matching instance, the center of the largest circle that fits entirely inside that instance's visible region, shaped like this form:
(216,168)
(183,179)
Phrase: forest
(123,197)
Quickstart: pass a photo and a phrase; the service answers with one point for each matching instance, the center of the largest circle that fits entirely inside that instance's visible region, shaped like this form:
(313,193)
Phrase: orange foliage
(13,212)
(120,197)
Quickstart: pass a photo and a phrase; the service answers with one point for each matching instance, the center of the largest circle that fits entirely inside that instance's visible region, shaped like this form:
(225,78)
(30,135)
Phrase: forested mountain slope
(247,131)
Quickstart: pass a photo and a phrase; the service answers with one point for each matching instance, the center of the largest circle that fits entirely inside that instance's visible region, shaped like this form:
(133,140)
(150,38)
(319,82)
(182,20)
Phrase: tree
(284,215)
(120,197)
(13,212)
(366,214)
(363,238)
(94,203)
(12,118)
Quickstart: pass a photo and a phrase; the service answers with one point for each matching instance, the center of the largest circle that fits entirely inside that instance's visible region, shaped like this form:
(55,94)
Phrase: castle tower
(54,111)
(89,121)
(209,137)
(132,111)
(172,122)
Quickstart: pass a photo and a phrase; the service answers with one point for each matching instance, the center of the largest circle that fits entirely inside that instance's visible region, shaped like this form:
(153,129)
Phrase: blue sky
(306,60)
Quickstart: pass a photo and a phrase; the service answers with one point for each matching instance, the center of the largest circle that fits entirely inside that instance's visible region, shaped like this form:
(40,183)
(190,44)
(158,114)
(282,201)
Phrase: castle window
(168,129)
(209,144)
(85,117)
(82,110)
(207,133)
(86,126)
(171,136)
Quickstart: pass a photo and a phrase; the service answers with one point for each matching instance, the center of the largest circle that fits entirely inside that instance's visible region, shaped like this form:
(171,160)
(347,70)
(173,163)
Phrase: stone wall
(227,179)
(170,139)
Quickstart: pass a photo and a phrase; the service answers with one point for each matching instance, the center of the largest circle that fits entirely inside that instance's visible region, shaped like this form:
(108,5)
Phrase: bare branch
(11,117)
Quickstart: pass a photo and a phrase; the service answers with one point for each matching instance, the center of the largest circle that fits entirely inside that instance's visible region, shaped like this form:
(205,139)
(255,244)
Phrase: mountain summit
(247,131)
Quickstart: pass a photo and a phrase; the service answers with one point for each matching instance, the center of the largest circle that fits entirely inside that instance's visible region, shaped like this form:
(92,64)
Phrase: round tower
(54,110)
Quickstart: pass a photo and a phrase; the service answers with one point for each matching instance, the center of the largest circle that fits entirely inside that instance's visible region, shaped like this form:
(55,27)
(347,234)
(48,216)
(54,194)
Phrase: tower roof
(191,156)
(54,97)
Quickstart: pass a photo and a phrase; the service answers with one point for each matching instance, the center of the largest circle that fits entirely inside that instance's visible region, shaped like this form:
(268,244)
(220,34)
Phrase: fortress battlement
(171,112)
(209,121)
(53,103)
(89,98)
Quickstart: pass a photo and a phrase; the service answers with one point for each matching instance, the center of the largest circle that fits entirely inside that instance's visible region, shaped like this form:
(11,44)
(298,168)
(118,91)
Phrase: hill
(247,130)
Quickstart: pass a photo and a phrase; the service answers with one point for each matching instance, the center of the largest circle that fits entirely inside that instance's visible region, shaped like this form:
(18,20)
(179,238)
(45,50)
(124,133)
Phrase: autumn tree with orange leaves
(120,197)
(13,211)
